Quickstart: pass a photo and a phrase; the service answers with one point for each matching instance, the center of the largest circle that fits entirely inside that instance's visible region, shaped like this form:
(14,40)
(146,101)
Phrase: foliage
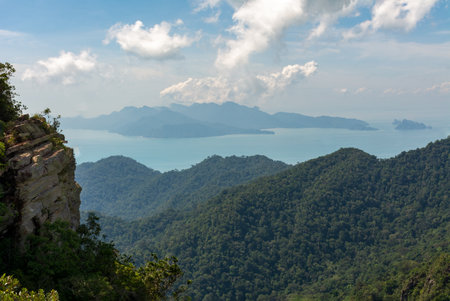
(10,108)
(50,124)
(53,122)
(431,281)
(119,186)
(151,281)
(10,290)
(346,225)
(82,267)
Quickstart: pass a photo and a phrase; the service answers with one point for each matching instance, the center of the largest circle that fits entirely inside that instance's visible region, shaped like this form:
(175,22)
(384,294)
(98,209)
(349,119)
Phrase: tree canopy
(10,108)
(342,226)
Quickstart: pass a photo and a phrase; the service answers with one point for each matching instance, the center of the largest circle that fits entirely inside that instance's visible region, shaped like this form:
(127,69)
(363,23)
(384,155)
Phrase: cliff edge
(37,179)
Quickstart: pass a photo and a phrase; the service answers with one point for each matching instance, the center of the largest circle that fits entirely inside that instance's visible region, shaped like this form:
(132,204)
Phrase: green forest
(346,226)
(121,187)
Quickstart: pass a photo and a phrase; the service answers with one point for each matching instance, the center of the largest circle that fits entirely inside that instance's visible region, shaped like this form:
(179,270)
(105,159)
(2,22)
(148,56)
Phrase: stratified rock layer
(40,174)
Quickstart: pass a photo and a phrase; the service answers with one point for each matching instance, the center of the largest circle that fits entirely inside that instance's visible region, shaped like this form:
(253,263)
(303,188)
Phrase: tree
(10,108)
(82,266)
(10,290)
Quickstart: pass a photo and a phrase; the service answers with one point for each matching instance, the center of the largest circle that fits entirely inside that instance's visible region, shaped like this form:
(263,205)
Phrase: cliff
(37,179)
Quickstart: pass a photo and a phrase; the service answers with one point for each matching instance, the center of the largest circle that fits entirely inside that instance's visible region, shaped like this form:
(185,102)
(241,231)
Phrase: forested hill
(121,187)
(346,224)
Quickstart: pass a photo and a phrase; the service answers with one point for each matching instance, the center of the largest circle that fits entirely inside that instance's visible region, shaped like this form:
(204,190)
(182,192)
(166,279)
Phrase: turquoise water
(287,145)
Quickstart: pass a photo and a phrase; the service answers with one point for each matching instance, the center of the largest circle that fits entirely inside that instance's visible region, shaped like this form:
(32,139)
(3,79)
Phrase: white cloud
(280,80)
(258,23)
(211,4)
(442,87)
(200,90)
(360,90)
(393,14)
(213,19)
(66,67)
(152,43)
(395,91)
(205,4)
(10,34)
(327,13)
(230,88)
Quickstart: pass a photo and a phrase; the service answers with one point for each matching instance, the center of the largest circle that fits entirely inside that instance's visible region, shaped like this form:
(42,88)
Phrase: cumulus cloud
(327,16)
(228,88)
(280,80)
(258,23)
(442,87)
(201,90)
(152,43)
(66,67)
(393,14)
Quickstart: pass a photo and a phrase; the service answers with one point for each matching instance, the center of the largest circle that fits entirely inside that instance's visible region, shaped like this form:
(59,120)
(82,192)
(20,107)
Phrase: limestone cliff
(37,179)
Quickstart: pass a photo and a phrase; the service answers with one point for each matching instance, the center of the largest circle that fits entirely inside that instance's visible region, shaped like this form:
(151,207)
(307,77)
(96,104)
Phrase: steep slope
(112,187)
(340,225)
(38,180)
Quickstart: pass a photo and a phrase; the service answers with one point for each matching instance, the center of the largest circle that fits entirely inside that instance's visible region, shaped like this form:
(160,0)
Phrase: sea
(288,145)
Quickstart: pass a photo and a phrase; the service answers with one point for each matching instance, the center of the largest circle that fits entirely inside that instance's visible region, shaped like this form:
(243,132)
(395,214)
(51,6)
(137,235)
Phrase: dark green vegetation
(406,124)
(82,267)
(343,226)
(119,186)
(12,290)
(10,108)
(204,120)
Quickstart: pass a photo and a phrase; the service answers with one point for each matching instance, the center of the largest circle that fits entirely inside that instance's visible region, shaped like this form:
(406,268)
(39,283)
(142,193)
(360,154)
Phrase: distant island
(204,120)
(407,125)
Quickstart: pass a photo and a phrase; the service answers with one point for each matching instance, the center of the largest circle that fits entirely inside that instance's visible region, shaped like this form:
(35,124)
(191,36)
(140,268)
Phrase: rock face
(39,177)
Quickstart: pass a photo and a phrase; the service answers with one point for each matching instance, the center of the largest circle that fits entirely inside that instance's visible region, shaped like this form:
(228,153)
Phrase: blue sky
(369,59)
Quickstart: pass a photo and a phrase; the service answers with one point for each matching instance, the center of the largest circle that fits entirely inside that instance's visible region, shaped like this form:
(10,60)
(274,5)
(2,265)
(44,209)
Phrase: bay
(287,145)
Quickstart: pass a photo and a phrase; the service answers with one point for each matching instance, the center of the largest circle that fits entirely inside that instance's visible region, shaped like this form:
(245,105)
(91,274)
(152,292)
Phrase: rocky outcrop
(38,179)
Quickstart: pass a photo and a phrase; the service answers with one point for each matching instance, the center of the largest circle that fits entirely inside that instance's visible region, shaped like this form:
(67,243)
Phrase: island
(406,125)
(204,120)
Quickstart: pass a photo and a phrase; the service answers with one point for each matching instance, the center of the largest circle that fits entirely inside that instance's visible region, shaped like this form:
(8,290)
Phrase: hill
(345,225)
(121,187)
(204,120)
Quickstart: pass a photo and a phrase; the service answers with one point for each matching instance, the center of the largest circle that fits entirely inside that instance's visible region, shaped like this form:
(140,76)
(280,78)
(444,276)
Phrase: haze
(353,58)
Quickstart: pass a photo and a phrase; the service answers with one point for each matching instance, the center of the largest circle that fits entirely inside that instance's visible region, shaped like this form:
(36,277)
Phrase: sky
(366,59)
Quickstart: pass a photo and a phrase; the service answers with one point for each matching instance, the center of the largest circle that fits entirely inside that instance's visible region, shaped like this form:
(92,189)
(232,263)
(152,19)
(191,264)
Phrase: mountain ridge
(140,191)
(342,225)
(204,120)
